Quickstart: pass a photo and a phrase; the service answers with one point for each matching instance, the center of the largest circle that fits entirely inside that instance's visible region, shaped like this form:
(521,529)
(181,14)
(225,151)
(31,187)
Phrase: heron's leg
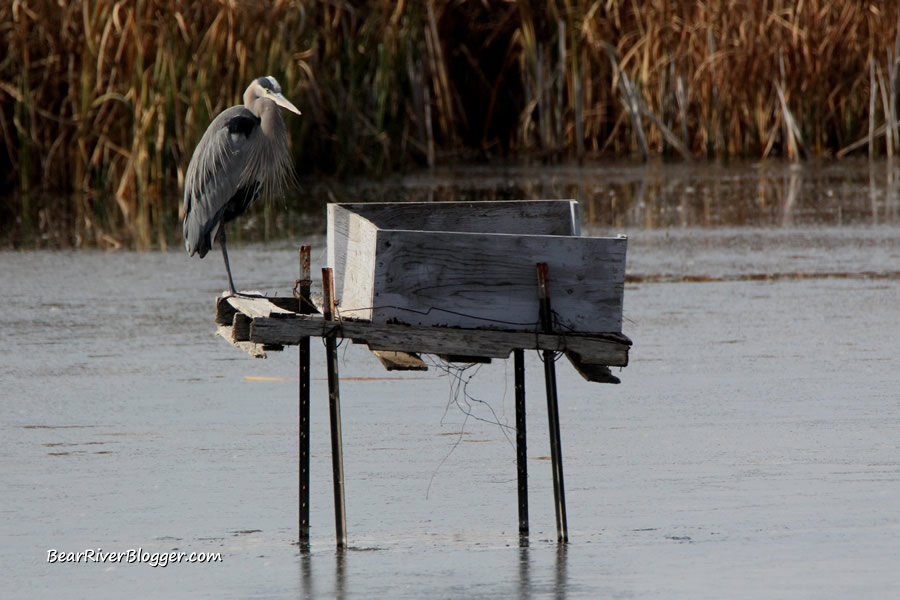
(220,237)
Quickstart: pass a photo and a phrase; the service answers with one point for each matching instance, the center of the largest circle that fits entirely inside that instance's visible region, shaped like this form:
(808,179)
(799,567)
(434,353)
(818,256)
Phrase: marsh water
(750,451)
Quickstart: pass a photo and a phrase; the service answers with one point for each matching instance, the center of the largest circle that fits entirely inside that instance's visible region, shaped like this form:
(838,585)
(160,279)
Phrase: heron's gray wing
(215,174)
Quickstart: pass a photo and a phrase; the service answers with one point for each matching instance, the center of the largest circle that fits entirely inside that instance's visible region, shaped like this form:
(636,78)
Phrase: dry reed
(101,102)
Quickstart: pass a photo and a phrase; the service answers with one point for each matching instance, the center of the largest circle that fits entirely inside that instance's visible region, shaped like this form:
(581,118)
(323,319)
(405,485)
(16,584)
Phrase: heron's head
(269,88)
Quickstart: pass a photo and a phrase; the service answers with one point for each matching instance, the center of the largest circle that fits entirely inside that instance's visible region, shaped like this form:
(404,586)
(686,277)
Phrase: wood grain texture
(610,350)
(523,217)
(224,311)
(240,327)
(478,280)
(471,264)
(351,255)
(261,307)
(254,350)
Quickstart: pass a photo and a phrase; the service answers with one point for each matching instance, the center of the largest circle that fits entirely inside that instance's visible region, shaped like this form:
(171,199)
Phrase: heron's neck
(269,115)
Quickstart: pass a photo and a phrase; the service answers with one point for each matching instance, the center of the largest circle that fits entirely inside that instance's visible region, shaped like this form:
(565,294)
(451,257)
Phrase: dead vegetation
(101,102)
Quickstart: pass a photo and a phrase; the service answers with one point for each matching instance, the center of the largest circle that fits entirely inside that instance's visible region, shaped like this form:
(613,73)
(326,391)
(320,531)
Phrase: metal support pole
(521,454)
(559,492)
(303,468)
(334,406)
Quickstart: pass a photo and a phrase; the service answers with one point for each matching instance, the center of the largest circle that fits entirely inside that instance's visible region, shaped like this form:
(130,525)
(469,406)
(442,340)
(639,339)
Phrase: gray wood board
(260,307)
(610,350)
(351,255)
(532,217)
(254,350)
(478,280)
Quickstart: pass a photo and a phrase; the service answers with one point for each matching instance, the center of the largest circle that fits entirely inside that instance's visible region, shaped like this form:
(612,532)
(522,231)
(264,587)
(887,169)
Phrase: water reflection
(340,574)
(307,576)
(524,568)
(536,571)
(647,196)
(306,572)
(561,570)
(527,586)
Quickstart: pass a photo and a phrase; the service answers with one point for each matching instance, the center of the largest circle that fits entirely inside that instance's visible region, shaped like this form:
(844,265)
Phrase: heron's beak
(284,103)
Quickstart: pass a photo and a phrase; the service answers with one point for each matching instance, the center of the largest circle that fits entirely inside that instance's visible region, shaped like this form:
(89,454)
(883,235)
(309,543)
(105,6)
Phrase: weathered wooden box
(472,265)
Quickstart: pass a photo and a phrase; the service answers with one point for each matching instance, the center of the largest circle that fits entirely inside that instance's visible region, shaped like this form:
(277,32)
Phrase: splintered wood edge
(593,372)
(253,349)
(400,361)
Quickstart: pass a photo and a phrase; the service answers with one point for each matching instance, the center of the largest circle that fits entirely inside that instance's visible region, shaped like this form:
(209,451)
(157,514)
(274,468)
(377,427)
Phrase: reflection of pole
(334,406)
(559,493)
(521,454)
(303,468)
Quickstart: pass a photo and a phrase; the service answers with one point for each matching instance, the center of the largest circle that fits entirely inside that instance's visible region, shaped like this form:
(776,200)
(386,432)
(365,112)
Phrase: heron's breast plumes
(269,156)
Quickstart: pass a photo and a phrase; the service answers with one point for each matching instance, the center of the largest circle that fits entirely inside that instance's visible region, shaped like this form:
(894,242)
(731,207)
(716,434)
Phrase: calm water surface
(751,450)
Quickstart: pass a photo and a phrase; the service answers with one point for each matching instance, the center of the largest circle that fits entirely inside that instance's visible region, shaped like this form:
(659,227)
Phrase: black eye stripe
(269,83)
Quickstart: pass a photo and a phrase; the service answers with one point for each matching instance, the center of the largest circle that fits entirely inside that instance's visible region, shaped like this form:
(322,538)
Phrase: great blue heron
(244,153)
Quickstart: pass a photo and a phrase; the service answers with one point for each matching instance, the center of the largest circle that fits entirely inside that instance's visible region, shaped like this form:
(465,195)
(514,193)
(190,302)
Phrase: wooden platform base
(260,325)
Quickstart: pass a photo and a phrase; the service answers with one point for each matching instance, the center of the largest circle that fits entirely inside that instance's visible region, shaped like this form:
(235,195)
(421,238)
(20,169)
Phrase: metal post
(521,454)
(559,492)
(334,406)
(303,467)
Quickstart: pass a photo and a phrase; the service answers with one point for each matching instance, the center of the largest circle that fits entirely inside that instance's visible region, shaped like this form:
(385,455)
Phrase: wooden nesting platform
(458,280)
(258,325)
(468,282)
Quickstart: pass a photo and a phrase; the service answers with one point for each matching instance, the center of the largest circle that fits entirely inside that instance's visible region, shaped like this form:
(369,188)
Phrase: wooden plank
(588,360)
(351,255)
(240,328)
(593,372)
(224,311)
(477,280)
(523,217)
(400,361)
(254,350)
(611,350)
(262,307)
(286,303)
